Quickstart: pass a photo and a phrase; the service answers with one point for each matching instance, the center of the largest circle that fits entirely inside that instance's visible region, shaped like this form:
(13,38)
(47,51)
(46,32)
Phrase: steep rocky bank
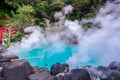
(11,68)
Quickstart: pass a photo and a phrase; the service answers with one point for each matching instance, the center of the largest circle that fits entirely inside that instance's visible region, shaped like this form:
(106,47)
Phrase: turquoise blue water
(52,53)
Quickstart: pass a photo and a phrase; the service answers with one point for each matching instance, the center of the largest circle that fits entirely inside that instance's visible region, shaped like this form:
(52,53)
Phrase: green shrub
(41,22)
(84,8)
(13,3)
(17,37)
(24,17)
(80,4)
(2,23)
(41,6)
(1,13)
(25,9)
(68,1)
(77,15)
(56,6)
(16,3)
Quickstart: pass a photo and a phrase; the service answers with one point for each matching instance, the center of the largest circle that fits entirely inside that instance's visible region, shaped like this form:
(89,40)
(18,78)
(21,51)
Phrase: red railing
(11,31)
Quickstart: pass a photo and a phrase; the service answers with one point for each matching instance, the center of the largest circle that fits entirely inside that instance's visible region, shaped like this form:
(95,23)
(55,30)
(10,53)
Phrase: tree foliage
(54,6)
(1,13)
(80,4)
(23,13)
(23,18)
(17,3)
(41,6)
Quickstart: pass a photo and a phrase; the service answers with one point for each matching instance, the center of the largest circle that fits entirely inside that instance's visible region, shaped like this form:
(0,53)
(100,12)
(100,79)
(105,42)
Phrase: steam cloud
(100,46)
(96,46)
(36,39)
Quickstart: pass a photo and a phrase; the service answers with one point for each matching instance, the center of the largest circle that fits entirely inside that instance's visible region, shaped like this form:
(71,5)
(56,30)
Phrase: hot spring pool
(50,53)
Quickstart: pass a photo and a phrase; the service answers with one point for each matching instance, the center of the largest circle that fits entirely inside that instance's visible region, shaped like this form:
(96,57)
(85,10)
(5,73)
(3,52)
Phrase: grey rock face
(6,59)
(114,75)
(18,70)
(41,76)
(59,68)
(11,57)
(1,71)
(102,68)
(78,74)
(114,66)
(37,69)
(16,73)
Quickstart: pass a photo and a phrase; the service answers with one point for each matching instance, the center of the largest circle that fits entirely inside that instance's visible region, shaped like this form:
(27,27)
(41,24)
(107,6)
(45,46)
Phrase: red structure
(5,30)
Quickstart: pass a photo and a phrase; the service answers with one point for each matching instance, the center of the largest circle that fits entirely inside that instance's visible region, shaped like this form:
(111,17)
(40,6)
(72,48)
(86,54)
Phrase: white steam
(67,9)
(97,46)
(36,39)
(74,28)
(102,45)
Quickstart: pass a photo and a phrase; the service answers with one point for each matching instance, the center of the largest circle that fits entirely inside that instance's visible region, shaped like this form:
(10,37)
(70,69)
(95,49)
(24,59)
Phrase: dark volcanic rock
(15,73)
(11,57)
(59,78)
(1,71)
(110,75)
(3,49)
(115,66)
(114,75)
(18,70)
(8,57)
(1,56)
(26,65)
(102,68)
(37,69)
(5,60)
(105,75)
(59,68)
(41,76)
(93,71)
(78,74)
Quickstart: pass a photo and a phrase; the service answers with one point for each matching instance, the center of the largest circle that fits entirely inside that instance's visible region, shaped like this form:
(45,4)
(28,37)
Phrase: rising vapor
(100,46)
(96,46)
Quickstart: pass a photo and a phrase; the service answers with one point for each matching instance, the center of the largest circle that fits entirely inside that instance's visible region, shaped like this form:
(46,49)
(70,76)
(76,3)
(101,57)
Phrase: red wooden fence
(5,30)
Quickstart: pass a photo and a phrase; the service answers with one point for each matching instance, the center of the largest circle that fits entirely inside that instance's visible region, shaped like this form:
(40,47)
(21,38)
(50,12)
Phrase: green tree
(84,7)
(42,9)
(80,4)
(56,5)
(1,16)
(17,3)
(24,17)
(41,6)
(68,1)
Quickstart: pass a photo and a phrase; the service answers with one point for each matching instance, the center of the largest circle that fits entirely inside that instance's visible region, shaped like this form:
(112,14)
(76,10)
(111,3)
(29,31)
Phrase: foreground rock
(78,74)
(3,48)
(41,76)
(114,66)
(114,75)
(18,70)
(1,71)
(6,59)
(59,68)
(10,57)
(22,70)
(37,69)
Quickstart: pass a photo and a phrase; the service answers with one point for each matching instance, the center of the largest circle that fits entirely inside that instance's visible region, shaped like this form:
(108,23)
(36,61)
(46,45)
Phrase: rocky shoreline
(15,69)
